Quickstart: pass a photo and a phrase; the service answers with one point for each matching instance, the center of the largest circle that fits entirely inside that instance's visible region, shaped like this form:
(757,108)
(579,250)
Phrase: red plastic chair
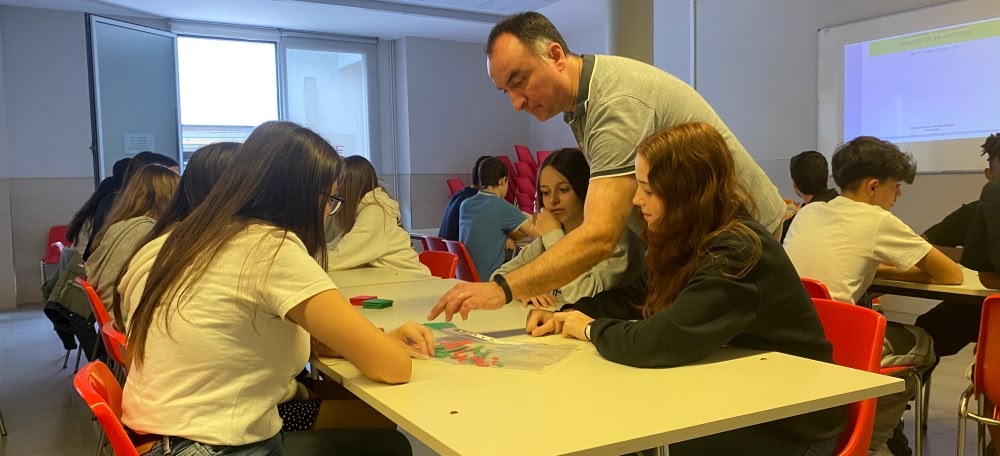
(455,185)
(524,155)
(434,244)
(100,390)
(856,334)
(101,314)
(525,170)
(57,234)
(466,269)
(542,155)
(985,384)
(114,342)
(441,264)
(818,290)
(510,173)
(525,186)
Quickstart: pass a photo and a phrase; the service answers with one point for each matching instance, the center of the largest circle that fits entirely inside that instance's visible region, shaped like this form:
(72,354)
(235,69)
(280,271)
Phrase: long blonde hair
(147,193)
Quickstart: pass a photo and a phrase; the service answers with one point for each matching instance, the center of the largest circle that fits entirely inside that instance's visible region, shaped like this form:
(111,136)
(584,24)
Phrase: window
(227,88)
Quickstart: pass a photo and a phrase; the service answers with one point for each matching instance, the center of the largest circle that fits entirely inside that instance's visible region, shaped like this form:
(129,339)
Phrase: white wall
(44,138)
(586,36)
(451,113)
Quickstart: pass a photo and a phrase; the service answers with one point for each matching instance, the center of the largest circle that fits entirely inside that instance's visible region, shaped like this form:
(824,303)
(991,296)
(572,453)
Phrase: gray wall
(757,65)
(448,114)
(46,168)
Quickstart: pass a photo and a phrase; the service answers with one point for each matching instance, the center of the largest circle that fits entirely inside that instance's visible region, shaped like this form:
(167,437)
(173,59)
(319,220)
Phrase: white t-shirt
(842,242)
(230,355)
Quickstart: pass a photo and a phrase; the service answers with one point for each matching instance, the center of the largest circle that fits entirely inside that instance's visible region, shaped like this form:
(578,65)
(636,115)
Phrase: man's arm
(606,212)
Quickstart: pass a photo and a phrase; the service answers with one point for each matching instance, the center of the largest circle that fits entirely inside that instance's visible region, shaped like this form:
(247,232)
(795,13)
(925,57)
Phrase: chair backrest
(524,170)
(455,185)
(542,155)
(96,305)
(524,185)
(816,289)
(421,239)
(100,390)
(114,342)
(986,375)
(856,334)
(524,155)
(510,173)
(466,269)
(56,234)
(441,264)
(435,244)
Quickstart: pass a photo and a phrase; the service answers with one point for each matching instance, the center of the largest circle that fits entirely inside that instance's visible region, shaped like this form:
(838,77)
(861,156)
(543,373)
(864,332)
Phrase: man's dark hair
(809,171)
(867,157)
(491,170)
(991,148)
(475,170)
(532,29)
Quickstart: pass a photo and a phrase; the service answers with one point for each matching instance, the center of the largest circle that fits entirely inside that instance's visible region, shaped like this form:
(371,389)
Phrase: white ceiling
(457,20)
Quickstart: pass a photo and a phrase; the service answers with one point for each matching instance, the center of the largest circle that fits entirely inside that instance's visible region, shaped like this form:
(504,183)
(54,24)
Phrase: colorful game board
(459,347)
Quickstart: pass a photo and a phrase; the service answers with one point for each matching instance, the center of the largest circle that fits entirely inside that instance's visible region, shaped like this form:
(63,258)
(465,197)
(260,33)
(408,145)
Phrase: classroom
(478,227)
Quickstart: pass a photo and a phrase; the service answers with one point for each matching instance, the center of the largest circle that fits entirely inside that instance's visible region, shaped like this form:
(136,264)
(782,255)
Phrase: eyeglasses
(335,203)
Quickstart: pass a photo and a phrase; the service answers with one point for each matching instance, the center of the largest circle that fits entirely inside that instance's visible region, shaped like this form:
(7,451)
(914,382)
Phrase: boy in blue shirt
(486,220)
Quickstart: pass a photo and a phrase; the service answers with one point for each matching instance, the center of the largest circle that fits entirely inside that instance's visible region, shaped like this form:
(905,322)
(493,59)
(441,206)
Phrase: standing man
(611,104)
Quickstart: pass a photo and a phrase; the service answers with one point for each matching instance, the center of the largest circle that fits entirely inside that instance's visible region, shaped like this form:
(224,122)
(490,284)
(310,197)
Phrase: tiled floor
(44,415)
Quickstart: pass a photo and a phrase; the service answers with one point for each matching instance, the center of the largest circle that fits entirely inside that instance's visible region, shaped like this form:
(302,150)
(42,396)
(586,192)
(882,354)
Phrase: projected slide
(929,86)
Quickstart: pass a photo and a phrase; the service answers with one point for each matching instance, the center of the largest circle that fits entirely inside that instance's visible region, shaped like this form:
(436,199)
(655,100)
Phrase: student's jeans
(360,442)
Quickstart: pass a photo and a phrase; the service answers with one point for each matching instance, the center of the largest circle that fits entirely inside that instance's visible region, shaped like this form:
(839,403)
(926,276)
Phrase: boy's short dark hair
(475,170)
(867,157)
(991,148)
(491,170)
(809,171)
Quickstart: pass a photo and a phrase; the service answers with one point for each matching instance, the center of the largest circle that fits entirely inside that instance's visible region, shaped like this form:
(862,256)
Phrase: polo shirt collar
(583,90)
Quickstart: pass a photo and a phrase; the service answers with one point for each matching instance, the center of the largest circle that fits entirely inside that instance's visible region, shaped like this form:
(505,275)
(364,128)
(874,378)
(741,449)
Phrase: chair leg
(79,351)
(66,359)
(981,428)
(963,408)
(919,413)
(927,400)
(100,443)
(3,426)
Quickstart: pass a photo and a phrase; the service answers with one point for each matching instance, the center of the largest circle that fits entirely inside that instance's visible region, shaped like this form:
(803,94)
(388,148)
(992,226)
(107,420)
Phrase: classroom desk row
(583,404)
(970,291)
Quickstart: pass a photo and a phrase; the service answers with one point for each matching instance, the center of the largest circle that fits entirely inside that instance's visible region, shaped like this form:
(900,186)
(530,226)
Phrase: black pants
(952,325)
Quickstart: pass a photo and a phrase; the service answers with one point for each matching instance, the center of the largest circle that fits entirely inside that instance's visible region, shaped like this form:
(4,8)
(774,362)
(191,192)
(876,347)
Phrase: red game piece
(360,300)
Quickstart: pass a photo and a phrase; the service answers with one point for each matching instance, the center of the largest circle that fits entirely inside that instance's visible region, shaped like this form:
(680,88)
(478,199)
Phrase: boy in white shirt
(846,242)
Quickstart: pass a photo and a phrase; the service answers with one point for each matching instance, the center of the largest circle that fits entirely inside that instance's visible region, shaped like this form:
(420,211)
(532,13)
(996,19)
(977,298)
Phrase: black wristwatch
(508,296)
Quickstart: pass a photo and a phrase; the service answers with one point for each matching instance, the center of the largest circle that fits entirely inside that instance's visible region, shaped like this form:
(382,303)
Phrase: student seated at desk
(203,170)
(366,221)
(716,277)
(449,221)
(810,174)
(562,189)
(223,306)
(486,220)
(847,241)
(78,231)
(130,220)
(953,325)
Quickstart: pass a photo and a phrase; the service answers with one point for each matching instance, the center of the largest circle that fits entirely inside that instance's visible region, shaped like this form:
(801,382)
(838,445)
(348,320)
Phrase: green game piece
(377,303)
(442,325)
(499,364)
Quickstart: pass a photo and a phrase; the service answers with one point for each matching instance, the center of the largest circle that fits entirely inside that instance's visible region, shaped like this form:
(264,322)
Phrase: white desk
(585,404)
(374,276)
(971,290)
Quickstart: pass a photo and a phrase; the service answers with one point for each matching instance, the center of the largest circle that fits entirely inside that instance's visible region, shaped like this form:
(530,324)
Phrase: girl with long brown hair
(366,226)
(131,218)
(714,277)
(223,305)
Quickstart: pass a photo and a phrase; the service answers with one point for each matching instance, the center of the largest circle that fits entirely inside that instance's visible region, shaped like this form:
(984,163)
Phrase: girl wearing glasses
(365,222)
(224,303)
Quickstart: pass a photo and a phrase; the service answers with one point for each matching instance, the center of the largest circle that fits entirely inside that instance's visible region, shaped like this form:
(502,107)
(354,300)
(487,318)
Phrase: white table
(585,404)
(373,276)
(971,290)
